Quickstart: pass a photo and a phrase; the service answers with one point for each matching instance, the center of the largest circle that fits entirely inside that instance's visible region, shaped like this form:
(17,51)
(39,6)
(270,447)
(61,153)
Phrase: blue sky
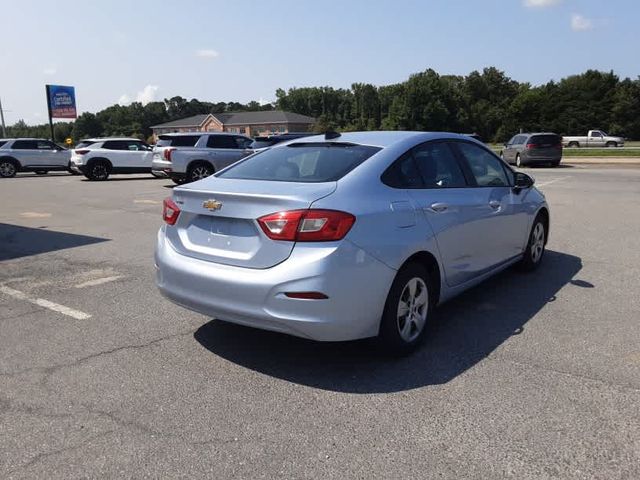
(119,51)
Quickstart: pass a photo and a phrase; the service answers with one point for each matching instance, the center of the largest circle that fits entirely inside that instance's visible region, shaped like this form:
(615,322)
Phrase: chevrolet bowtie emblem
(212,204)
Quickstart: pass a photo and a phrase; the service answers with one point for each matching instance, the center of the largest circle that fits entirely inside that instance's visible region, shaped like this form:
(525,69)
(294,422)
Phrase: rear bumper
(356,284)
(530,160)
(162,167)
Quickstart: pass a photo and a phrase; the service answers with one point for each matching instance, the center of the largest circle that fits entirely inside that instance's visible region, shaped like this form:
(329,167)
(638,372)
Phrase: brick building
(252,124)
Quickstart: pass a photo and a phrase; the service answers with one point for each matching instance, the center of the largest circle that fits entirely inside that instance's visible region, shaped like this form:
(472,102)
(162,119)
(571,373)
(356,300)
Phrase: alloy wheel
(100,172)
(537,242)
(413,308)
(7,169)
(200,172)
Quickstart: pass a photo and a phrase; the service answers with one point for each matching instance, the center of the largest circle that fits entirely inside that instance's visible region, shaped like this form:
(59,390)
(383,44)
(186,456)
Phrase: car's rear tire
(407,311)
(41,172)
(612,144)
(573,144)
(8,168)
(535,246)
(198,171)
(98,170)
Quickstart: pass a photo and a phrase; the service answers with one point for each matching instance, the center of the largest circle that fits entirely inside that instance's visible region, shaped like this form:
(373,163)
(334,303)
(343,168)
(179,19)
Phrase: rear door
(502,220)
(27,152)
(227,149)
(453,208)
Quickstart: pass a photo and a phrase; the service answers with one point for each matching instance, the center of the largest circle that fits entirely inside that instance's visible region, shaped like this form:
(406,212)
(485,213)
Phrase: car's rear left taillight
(307,225)
(81,152)
(167,153)
(170,211)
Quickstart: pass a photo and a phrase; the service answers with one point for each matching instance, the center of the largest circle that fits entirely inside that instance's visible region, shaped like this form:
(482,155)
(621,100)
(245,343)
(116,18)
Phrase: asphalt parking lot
(526,376)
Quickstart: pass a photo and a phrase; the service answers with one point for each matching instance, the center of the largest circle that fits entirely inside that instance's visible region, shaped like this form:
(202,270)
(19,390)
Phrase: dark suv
(527,149)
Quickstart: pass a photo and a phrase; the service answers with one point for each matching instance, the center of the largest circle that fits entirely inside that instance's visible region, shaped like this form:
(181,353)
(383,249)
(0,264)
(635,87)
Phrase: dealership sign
(62,101)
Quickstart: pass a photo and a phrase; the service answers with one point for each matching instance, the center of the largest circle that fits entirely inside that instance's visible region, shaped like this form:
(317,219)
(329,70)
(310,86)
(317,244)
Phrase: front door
(502,211)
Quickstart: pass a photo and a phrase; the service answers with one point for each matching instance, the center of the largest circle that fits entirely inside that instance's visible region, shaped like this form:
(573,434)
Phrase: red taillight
(531,146)
(307,225)
(81,152)
(167,153)
(170,211)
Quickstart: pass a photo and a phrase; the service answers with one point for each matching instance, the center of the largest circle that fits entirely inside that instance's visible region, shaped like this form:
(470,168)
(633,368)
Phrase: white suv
(31,155)
(97,158)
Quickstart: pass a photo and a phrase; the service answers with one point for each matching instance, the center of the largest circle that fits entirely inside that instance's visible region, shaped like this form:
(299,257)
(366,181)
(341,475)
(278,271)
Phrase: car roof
(182,134)
(102,139)
(382,138)
(539,133)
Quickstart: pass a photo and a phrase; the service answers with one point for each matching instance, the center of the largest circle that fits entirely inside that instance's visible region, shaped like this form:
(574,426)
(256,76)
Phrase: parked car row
(183,157)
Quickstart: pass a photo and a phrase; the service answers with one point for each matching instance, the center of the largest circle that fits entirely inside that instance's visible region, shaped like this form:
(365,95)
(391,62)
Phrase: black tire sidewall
(389,338)
(91,171)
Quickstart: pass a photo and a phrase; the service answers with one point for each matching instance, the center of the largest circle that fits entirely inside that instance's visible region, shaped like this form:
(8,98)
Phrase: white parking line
(98,281)
(543,184)
(56,307)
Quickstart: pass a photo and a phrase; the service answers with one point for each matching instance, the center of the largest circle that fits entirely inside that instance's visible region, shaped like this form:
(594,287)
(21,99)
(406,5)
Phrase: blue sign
(62,101)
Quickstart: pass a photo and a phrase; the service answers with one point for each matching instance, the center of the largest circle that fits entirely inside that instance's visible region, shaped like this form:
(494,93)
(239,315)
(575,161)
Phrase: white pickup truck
(187,157)
(595,138)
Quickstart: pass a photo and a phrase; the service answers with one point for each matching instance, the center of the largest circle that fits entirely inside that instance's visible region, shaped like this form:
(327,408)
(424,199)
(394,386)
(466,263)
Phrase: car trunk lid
(218,219)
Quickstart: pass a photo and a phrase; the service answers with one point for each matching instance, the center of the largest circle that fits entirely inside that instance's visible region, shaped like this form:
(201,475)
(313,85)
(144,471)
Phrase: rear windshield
(545,139)
(177,140)
(302,162)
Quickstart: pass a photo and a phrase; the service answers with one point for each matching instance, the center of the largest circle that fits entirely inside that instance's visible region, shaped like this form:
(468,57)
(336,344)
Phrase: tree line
(487,103)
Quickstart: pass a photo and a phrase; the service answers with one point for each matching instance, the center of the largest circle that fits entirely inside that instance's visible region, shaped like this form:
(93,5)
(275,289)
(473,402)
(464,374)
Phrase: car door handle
(438,207)
(495,204)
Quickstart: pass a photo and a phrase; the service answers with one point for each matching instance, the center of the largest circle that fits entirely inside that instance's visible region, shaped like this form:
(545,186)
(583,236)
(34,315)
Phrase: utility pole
(4,129)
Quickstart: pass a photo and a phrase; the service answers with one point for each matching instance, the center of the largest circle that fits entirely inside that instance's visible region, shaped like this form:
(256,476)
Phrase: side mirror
(523,180)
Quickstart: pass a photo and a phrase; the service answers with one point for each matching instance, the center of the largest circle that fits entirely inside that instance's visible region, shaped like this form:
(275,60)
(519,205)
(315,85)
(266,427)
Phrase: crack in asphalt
(48,371)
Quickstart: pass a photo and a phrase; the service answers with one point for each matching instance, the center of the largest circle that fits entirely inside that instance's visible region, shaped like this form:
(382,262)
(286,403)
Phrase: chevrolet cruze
(341,237)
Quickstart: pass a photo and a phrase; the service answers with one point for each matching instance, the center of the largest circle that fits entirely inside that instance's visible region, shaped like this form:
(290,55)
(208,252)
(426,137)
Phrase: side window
(486,168)
(596,134)
(115,145)
(221,141)
(513,141)
(520,139)
(44,145)
(403,173)
(243,142)
(136,147)
(438,166)
(25,145)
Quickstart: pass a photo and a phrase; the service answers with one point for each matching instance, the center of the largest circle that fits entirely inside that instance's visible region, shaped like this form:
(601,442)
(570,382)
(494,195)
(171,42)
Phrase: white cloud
(207,53)
(144,96)
(580,23)
(50,71)
(540,3)
(147,94)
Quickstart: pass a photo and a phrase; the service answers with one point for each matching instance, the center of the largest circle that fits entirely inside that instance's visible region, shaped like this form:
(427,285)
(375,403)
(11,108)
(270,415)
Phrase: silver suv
(187,157)
(31,155)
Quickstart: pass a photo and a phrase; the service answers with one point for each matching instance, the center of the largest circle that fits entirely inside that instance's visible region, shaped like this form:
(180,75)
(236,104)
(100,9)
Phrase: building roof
(194,121)
(241,118)
(267,116)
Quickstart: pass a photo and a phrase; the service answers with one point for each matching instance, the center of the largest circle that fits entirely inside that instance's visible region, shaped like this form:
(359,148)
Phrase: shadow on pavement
(16,241)
(463,332)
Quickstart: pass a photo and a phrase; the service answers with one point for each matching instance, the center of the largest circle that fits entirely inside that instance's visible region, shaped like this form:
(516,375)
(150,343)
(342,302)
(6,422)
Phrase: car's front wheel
(536,245)
(407,310)
(7,168)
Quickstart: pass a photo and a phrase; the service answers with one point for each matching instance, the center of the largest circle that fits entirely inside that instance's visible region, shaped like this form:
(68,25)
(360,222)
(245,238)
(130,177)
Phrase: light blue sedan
(341,237)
